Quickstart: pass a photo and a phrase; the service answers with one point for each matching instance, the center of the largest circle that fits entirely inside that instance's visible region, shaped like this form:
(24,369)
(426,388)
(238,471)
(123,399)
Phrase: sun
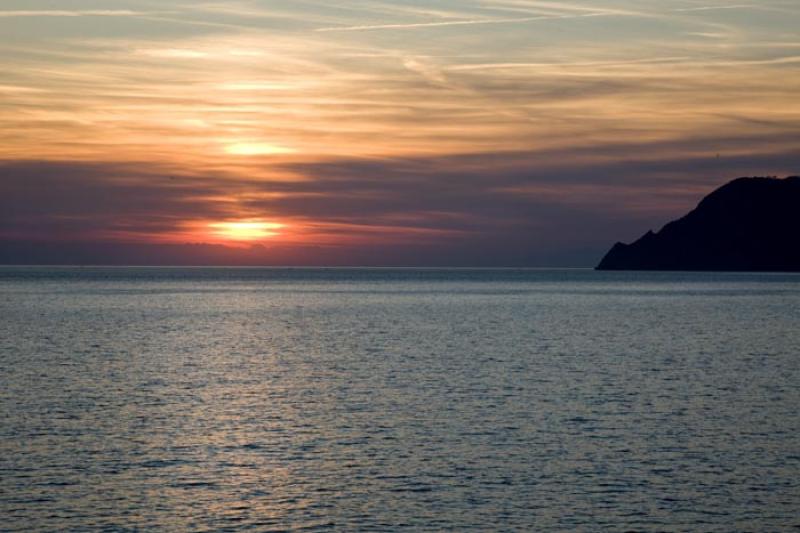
(245,230)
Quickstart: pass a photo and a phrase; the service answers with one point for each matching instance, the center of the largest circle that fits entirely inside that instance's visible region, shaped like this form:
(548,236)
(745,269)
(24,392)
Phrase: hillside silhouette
(749,224)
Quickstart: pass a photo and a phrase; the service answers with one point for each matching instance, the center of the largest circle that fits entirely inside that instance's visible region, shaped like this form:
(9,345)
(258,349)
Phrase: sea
(299,399)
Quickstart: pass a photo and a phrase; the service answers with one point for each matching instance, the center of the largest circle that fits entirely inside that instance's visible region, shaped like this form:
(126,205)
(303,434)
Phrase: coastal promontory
(749,224)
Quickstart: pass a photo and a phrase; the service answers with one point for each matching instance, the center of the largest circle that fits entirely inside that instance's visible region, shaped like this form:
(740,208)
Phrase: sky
(385,133)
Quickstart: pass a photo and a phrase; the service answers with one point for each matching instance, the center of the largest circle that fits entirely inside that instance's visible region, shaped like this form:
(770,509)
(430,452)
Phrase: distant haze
(451,132)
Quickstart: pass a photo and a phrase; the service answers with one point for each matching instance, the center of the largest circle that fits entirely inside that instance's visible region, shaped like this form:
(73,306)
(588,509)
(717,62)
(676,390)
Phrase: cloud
(523,138)
(74,13)
(425,69)
(717,8)
(560,206)
(78,200)
(176,53)
(567,65)
(469,22)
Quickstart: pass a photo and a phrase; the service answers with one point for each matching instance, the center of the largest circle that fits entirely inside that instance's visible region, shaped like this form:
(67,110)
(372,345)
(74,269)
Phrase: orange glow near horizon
(255,149)
(245,230)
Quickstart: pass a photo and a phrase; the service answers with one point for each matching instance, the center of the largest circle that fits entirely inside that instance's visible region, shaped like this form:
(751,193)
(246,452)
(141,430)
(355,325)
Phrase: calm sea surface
(368,400)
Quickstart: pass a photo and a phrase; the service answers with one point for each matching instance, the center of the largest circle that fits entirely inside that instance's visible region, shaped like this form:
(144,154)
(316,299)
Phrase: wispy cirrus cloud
(718,7)
(71,13)
(469,22)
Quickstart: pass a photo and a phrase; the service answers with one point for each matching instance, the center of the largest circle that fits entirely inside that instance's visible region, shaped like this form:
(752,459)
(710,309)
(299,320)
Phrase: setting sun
(246,230)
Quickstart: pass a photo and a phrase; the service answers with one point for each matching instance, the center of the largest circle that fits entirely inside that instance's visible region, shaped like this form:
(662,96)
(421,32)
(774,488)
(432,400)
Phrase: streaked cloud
(471,22)
(250,148)
(68,13)
(719,7)
(177,53)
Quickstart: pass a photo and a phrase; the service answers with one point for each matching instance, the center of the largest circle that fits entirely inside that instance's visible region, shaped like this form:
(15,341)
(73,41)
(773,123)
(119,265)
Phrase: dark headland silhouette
(749,224)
